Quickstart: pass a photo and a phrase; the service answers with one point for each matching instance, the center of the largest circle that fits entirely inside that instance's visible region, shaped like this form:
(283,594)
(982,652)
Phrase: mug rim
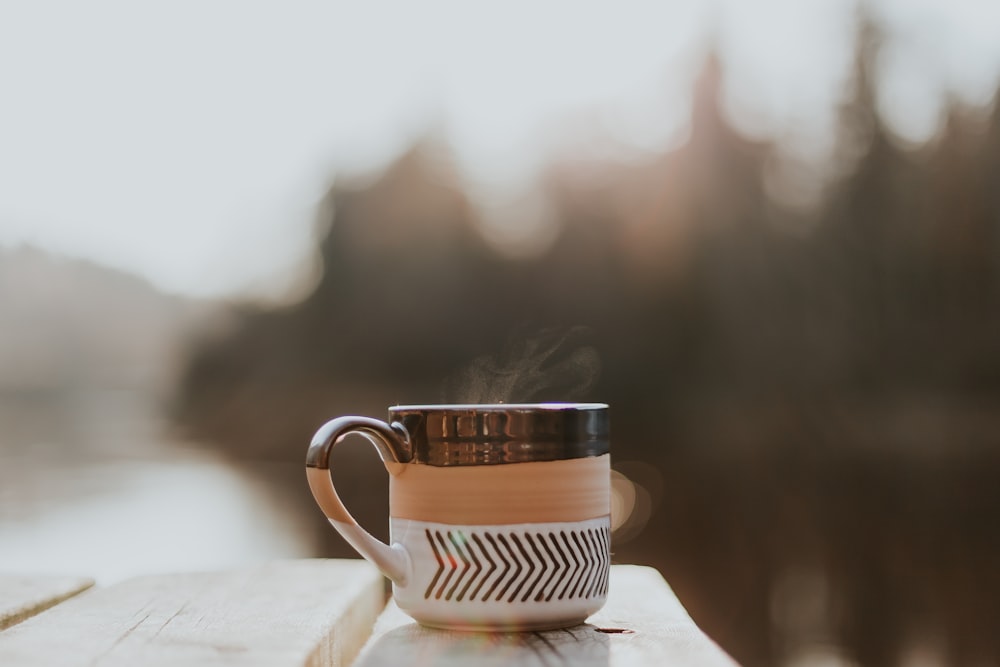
(554,406)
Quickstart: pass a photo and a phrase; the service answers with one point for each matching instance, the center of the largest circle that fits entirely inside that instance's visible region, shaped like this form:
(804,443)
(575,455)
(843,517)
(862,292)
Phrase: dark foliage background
(807,398)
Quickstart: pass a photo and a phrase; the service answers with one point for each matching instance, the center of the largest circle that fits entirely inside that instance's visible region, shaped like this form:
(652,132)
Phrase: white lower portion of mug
(530,576)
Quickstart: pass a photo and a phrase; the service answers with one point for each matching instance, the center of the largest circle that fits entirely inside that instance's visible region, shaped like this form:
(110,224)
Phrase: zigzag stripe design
(519,566)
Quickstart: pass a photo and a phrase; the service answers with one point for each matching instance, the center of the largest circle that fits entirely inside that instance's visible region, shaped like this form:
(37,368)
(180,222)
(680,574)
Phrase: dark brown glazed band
(457,435)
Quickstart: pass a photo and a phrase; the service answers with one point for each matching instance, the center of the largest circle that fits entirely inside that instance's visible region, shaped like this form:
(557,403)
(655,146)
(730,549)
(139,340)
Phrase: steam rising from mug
(553,365)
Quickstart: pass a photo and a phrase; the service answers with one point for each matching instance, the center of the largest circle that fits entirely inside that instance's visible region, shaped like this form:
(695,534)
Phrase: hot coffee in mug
(499,514)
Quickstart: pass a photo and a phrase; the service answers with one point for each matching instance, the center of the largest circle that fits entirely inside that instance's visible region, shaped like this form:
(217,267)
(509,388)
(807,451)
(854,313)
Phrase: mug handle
(391,442)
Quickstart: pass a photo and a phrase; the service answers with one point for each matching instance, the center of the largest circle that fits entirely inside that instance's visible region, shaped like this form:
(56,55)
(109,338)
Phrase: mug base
(534,626)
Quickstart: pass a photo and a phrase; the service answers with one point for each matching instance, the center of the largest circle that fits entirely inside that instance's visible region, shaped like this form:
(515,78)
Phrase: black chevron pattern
(519,566)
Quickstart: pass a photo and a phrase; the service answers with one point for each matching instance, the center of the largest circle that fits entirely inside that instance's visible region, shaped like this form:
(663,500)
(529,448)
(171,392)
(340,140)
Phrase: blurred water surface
(130,503)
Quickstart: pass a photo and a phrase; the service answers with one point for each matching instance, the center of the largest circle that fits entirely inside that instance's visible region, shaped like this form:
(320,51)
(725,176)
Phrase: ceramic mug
(499,514)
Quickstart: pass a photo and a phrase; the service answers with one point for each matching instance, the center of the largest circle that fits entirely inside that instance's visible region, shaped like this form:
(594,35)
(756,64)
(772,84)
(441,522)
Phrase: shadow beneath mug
(414,644)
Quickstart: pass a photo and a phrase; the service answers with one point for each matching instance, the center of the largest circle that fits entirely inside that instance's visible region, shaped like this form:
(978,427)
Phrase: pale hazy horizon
(189,143)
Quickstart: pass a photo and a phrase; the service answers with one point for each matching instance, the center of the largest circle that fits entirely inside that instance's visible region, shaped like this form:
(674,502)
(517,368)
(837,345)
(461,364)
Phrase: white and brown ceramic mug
(499,514)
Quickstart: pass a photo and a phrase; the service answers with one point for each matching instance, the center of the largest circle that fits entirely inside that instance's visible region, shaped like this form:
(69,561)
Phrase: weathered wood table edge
(318,613)
(22,597)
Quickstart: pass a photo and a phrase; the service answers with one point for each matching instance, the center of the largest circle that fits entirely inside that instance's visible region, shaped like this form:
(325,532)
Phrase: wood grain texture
(22,597)
(642,624)
(313,613)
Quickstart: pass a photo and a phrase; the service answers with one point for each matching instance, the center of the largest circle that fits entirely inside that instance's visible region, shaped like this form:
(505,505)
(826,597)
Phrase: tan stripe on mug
(539,491)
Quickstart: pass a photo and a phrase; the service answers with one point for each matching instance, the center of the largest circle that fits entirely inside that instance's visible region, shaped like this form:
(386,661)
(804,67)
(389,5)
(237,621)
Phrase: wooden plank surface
(21,597)
(643,623)
(289,613)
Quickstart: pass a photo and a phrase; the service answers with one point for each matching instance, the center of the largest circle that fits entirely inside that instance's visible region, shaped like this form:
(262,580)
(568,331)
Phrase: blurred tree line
(816,387)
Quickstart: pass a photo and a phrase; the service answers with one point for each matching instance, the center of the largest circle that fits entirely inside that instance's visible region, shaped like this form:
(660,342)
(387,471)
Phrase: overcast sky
(189,141)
